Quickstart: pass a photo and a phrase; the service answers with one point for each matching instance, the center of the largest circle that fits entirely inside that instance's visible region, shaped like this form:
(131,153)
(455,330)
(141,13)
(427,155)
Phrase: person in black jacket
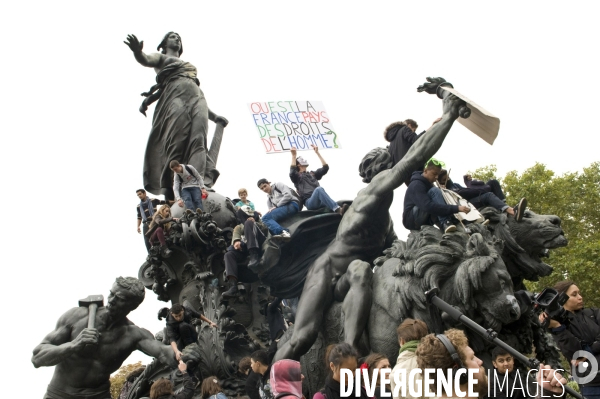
(401,136)
(423,203)
(262,367)
(311,193)
(180,329)
(581,332)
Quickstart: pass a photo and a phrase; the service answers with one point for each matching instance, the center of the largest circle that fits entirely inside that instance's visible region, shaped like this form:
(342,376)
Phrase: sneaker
(283,237)
(189,212)
(449,227)
(520,209)
(199,211)
(165,252)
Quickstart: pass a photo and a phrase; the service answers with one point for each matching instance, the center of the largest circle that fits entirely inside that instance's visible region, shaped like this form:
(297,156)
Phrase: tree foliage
(575,198)
(118,379)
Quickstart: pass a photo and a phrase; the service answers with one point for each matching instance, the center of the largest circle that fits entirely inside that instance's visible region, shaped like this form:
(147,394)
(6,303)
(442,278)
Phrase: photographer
(581,331)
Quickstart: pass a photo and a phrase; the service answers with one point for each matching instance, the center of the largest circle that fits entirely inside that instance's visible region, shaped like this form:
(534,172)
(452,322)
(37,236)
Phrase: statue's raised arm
(148,60)
(421,151)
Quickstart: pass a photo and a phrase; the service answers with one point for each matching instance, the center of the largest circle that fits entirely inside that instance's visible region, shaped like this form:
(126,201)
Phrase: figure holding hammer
(92,341)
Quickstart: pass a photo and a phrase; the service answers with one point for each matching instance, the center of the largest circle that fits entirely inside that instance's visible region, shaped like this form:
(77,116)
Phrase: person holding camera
(580,331)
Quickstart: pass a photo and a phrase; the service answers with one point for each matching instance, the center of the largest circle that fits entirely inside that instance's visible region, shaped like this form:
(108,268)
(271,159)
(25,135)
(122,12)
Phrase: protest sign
(282,125)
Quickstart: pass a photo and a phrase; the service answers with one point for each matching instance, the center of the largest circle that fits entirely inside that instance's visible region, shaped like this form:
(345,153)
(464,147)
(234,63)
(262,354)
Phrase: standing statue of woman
(180,123)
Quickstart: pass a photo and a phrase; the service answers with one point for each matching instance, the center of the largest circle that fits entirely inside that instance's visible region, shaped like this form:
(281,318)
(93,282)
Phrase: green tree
(485,173)
(118,379)
(575,198)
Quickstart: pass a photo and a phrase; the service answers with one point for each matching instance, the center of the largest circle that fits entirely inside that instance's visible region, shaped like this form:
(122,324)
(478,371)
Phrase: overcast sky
(73,139)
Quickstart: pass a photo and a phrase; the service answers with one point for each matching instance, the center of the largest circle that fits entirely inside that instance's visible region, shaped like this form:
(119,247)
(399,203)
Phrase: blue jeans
(192,196)
(278,214)
(591,392)
(423,218)
(488,199)
(320,199)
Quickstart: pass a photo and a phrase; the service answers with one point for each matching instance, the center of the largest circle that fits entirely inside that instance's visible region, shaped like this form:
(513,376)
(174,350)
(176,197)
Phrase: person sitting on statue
(244,201)
(481,198)
(282,203)
(401,136)
(160,227)
(85,357)
(188,187)
(180,329)
(163,388)
(423,203)
(243,194)
(145,212)
(247,240)
(313,196)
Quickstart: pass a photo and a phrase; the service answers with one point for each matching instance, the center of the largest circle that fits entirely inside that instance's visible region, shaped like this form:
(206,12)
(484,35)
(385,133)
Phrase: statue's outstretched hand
(221,120)
(451,104)
(134,44)
(87,336)
(431,85)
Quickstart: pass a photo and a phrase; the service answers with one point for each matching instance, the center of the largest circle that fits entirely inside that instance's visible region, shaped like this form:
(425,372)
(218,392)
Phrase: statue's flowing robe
(179,127)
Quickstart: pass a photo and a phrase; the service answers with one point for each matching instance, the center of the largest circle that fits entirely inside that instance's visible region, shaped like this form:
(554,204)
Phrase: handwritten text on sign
(282,125)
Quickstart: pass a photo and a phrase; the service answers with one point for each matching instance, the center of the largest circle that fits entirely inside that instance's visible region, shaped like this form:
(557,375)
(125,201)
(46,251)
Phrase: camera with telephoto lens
(552,304)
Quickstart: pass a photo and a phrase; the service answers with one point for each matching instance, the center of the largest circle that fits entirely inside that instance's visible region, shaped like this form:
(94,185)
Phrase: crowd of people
(432,198)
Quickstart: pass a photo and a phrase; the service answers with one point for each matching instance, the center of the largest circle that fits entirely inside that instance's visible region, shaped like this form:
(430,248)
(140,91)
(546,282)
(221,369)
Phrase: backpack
(297,198)
(189,171)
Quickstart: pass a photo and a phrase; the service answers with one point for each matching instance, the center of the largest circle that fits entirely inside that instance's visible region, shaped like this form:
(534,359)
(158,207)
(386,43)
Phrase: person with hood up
(424,203)
(286,379)
(401,136)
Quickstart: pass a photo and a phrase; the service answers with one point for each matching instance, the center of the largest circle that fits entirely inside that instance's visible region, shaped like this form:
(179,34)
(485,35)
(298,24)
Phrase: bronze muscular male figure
(86,357)
(365,230)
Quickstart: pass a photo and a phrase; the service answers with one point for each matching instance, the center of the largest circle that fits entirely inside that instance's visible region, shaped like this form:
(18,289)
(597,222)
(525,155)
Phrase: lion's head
(526,242)
(468,270)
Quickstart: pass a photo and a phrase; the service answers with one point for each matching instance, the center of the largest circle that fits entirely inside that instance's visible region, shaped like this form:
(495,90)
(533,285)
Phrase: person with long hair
(338,357)
(376,362)
(160,228)
(210,388)
(580,332)
(180,123)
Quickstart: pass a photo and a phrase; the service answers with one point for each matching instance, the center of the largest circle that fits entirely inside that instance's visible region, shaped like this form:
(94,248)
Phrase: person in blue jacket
(424,203)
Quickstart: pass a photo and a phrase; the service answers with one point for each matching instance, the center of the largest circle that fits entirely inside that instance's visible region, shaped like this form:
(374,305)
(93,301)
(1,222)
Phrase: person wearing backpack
(311,193)
(188,186)
(580,333)
(283,202)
